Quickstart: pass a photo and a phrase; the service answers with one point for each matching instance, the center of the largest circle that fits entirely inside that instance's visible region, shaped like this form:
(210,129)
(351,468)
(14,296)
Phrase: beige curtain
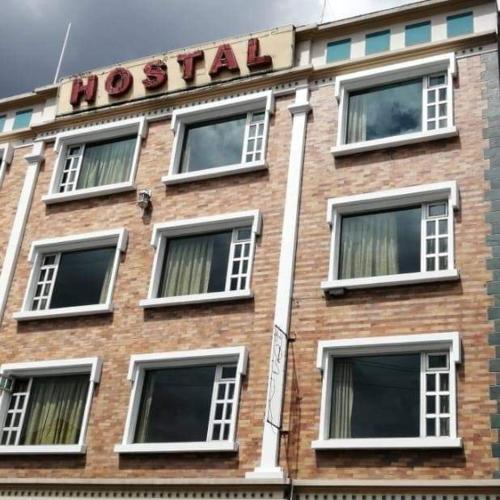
(342,399)
(55,410)
(358,108)
(106,163)
(369,246)
(141,432)
(107,281)
(187,266)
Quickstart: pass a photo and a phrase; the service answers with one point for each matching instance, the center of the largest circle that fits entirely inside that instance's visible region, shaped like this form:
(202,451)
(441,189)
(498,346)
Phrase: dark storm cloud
(105,32)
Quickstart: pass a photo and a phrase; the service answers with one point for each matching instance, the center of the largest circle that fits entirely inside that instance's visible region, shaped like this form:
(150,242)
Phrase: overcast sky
(106,32)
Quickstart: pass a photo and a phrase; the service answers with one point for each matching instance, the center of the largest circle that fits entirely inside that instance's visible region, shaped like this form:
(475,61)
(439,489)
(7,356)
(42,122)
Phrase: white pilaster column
(34,160)
(269,467)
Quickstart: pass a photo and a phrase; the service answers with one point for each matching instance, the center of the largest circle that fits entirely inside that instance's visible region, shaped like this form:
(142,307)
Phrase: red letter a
(224,59)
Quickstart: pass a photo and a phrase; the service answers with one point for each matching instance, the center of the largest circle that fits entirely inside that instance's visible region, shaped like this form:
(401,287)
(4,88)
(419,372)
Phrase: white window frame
(382,200)
(92,366)
(448,342)
(400,72)
(117,238)
(114,130)
(6,157)
(257,102)
(192,227)
(139,363)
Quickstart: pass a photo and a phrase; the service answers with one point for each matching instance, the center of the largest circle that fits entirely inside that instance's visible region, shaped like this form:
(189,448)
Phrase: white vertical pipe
(269,466)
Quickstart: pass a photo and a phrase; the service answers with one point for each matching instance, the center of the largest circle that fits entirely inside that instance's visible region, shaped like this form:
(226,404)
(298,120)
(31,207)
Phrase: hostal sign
(177,71)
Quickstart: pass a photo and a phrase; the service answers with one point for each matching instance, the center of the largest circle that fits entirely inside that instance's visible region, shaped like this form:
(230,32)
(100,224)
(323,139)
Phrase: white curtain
(369,246)
(342,399)
(187,266)
(358,108)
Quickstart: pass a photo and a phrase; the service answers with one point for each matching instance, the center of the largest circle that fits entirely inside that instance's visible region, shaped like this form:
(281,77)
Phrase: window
(45,405)
(398,108)
(220,138)
(97,160)
(203,260)
(73,275)
(378,42)
(222,142)
(77,278)
(392,237)
(97,164)
(460,24)
(418,33)
(206,263)
(6,156)
(389,392)
(22,119)
(184,401)
(397,105)
(338,50)
(3,118)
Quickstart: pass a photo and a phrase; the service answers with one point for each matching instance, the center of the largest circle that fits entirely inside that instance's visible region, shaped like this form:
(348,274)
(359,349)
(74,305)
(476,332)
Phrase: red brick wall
(458,306)
(131,330)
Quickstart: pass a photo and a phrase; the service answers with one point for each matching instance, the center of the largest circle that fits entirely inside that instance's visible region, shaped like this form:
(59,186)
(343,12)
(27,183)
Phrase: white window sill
(194,447)
(337,287)
(210,173)
(44,449)
(392,142)
(387,443)
(196,299)
(80,194)
(63,312)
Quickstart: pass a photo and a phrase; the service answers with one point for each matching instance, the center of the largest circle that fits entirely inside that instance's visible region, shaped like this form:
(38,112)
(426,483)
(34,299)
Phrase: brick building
(266,267)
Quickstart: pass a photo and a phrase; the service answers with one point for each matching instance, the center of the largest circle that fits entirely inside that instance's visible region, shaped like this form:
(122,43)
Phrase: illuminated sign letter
(156,75)
(87,92)
(254,60)
(187,62)
(118,82)
(224,59)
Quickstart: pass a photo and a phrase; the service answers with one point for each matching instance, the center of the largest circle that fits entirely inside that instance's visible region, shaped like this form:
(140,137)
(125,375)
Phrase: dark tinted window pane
(175,405)
(418,33)
(195,264)
(381,243)
(338,50)
(378,42)
(214,143)
(22,119)
(385,111)
(82,278)
(460,24)
(376,397)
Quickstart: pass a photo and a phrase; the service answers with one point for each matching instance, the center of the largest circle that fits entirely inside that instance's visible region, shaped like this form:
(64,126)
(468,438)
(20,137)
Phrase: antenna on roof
(323,12)
(62,54)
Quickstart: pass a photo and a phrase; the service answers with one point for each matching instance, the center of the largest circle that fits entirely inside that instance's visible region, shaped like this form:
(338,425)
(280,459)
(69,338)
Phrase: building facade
(266,267)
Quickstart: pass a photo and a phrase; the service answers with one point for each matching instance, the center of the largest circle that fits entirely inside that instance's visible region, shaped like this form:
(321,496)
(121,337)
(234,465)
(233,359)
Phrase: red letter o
(119,82)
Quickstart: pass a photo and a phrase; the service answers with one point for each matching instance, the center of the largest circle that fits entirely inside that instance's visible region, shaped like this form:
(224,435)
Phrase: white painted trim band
(92,365)
(338,286)
(393,141)
(387,443)
(199,298)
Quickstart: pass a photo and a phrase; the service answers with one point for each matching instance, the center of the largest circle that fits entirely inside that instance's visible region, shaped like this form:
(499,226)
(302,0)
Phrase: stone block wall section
(432,308)
(492,154)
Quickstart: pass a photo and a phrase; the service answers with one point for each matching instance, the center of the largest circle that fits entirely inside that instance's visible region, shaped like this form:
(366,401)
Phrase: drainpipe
(34,159)
(269,463)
